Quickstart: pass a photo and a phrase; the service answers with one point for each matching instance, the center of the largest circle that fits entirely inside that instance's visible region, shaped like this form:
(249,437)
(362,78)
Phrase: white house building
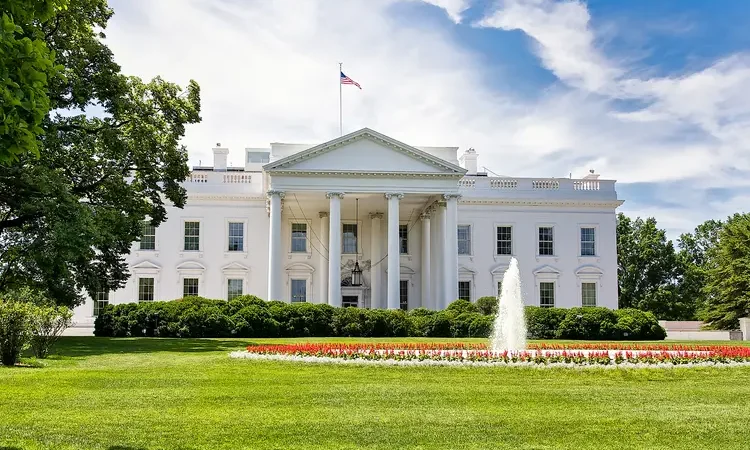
(424,226)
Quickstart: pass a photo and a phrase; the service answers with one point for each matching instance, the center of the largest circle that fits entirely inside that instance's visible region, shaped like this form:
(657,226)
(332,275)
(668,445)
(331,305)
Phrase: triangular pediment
(466,270)
(546,270)
(145,265)
(191,265)
(364,151)
(499,270)
(235,266)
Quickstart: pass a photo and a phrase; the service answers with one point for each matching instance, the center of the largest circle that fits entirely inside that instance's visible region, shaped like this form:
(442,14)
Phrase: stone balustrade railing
(220,178)
(538,186)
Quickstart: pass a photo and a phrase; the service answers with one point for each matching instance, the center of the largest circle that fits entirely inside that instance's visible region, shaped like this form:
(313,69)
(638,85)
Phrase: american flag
(347,80)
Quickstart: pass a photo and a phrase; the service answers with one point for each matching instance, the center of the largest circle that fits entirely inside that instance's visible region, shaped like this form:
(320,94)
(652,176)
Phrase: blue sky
(655,94)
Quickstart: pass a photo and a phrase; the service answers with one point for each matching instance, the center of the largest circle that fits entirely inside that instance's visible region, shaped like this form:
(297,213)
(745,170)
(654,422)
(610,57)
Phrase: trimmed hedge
(251,317)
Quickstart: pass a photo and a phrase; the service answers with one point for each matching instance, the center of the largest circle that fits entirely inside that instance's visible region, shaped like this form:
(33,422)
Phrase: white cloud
(268,72)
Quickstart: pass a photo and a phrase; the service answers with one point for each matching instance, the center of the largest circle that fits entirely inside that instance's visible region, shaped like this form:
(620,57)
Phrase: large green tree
(694,257)
(68,216)
(648,270)
(728,275)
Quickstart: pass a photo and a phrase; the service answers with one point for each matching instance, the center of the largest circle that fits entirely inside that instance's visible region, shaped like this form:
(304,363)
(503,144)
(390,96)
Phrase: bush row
(249,316)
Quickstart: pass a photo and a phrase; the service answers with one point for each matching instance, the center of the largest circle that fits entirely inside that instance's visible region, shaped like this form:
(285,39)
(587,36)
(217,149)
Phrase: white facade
(447,231)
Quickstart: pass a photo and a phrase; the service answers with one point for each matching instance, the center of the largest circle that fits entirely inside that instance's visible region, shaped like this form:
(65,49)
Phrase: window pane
(192,236)
(588,294)
(403,237)
(464,290)
(504,241)
(299,291)
(588,241)
(299,237)
(234,288)
(236,237)
(349,243)
(464,240)
(190,287)
(546,241)
(546,294)
(145,289)
(148,237)
(101,300)
(404,294)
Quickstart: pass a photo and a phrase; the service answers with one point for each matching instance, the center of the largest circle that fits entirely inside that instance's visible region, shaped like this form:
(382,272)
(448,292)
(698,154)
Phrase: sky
(655,95)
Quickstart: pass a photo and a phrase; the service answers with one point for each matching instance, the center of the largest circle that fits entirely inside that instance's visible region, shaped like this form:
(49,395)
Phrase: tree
(693,259)
(27,65)
(68,216)
(648,270)
(728,275)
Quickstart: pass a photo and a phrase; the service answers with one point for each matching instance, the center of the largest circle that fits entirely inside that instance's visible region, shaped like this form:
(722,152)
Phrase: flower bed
(538,355)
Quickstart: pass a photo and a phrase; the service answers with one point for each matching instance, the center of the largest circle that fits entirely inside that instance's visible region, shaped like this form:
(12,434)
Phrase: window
(588,244)
(148,237)
(464,239)
(504,240)
(145,289)
(299,237)
(192,236)
(464,290)
(403,294)
(234,288)
(349,239)
(189,287)
(546,241)
(499,288)
(101,300)
(236,237)
(588,294)
(299,291)
(546,294)
(403,238)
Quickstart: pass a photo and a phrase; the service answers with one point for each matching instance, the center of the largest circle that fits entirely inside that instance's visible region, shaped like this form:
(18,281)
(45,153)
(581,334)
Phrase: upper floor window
(190,287)
(464,239)
(192,236)
(349,238)
(148,237)
(504,240)
(403,238)
(546,294)
(299,237)
(236,237)
(588,241)
(101,300)
(546,241)
(145,289)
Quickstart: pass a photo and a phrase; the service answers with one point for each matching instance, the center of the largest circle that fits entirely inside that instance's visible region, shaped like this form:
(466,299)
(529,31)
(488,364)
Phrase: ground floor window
(190,287)
(588,294)
(101,300)
(464,290)
(234,288)
(350,301)
(547,294)
(145,289)
(299,291)
(404,294)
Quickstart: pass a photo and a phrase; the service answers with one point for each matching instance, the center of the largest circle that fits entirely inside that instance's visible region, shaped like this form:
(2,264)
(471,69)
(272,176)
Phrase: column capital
(272,192)
(376,215)
(389,195)
(334,194)
(322,214)
(451,196)
(425,215)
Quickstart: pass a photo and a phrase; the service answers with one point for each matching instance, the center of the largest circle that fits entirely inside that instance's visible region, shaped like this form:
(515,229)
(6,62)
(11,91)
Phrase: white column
(334,249)
(394,269)
(426,298)
(438,267)
(451,248)
(274,247)
(376,270)
(323,255)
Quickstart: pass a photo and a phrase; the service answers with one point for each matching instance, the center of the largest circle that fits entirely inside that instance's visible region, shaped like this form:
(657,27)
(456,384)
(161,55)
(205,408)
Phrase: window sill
(405,256)
(191,252)
(154,253)
(227,254)
(299,255)
(503,257)
(554,258)
(589,259)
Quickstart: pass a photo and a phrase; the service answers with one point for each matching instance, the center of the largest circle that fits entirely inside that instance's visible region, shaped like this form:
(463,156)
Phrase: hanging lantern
(356,275)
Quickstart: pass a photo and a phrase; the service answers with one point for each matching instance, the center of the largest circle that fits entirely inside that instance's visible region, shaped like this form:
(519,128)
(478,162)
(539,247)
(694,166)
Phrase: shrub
(481,326)
(487,305)
(542,323)
(48,325)
(587,323)
(461,325)
(462,306)
(16,329)
(441,324)
(634,324)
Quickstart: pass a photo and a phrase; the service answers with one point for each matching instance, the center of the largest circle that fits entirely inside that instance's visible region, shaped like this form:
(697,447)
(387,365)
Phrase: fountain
(509,330)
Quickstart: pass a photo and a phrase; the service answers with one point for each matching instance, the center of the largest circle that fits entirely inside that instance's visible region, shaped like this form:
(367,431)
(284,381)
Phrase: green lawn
(187,394)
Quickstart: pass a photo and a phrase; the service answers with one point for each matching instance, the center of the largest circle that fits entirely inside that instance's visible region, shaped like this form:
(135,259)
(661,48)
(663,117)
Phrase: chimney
(220,158)
(591,175)
(469,161)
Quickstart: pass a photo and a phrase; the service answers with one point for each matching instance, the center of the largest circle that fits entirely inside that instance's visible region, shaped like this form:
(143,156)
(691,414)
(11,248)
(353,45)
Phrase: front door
(349,301)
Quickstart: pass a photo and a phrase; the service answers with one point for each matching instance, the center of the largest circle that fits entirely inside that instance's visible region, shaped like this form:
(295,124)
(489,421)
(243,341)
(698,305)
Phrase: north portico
(394,186)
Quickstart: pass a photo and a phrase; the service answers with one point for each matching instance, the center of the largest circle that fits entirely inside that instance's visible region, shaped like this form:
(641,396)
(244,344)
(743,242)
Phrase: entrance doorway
(349,301)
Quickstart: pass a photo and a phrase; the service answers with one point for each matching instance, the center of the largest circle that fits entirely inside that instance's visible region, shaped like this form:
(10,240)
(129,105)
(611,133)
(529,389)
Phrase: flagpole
(341,116)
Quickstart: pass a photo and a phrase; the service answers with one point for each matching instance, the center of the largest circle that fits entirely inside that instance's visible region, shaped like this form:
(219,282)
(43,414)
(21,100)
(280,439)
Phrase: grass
(131,394)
